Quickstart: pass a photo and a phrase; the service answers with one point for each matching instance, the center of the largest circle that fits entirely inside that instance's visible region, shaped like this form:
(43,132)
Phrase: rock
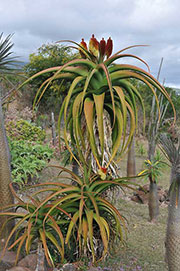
(8,260)
(9,256)
(30,261)
(142,195)
(95,269)
(69,267)
(136,199)
(144,188)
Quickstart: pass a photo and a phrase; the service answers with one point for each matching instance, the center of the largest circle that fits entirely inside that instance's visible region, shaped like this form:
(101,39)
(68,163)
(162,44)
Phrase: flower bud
(102,48)
(94,46)
(102,173)
(109,47)
(84,45)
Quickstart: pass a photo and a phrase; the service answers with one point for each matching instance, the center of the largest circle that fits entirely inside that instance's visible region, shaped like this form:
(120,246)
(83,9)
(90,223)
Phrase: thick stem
(173,231)
(151,148)
(153,201)
(6,197)
(53,128)
(40,258)
(131,162)
(75,169)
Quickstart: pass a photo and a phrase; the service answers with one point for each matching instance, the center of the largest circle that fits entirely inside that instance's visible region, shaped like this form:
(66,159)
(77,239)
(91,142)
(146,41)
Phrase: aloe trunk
(5,173)
(40,258)
(75,167)
(153,201)
(172,151)
(173,231)
(131,162)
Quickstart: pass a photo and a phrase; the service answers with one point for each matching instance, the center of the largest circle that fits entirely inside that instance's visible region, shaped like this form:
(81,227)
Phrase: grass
(144,248)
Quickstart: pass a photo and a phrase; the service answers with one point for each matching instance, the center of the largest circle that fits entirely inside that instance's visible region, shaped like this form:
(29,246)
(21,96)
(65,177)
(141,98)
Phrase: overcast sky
(127,22)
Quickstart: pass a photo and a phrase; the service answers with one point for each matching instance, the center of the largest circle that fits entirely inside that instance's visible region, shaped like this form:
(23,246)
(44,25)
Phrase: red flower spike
(109,47)
(94,46)
(84,45)
(102,47)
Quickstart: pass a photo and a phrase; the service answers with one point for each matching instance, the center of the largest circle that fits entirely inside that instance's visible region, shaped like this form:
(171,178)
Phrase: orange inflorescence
(94,46)
(97,49)
(104,170)
(84,45)
(102,47)
(109,47)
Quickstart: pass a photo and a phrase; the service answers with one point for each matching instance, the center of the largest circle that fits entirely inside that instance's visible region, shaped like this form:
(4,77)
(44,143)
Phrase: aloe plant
(32,227)
(153,170)
(67,210)
(100,90)
(99,86)
(89,215)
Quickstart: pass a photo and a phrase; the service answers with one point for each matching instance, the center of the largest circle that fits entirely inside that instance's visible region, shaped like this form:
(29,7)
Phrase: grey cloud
(153,22)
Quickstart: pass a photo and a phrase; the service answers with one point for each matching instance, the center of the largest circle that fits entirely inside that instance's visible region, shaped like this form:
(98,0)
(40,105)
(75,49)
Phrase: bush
(20,126)
(24,130)
(27,160)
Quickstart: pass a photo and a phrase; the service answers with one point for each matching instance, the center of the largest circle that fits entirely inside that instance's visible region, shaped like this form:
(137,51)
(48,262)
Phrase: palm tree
(6,67)
(172,243)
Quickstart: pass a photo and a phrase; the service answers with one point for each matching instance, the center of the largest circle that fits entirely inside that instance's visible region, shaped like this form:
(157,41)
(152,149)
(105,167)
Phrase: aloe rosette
(98,86)
(31,227)
(89,215)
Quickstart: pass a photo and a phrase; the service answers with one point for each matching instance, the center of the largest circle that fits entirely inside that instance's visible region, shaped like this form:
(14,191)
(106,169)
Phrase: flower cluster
(99,50)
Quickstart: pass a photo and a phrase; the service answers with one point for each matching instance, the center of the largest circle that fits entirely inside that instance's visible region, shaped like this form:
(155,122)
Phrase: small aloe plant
(32,227)
(153,170)
(79,211)
(87,211)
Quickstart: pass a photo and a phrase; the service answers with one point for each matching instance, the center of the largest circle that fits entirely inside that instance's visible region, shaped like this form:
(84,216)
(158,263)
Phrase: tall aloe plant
(98,86)
(100,90)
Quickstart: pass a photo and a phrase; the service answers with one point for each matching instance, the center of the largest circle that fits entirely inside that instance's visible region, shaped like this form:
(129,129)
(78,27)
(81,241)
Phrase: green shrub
(24,130)
(153,168)
(27,159)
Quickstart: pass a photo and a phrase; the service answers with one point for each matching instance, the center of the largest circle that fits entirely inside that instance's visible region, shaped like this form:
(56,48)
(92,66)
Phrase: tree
(47,56)
(156,118)
(6,67)
(172,151)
